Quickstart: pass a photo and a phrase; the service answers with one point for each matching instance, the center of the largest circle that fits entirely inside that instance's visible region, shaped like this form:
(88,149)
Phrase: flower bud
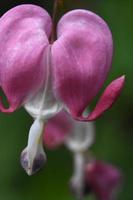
(38,162)
(103,179)
(33,156)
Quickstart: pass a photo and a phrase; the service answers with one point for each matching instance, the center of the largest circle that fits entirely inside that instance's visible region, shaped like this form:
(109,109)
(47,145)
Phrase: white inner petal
(35,135)
(44,104)
(41,107)
(81,136)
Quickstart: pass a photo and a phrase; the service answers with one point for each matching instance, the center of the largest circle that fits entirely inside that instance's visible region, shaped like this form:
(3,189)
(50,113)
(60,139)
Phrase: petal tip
(108,98)
(10,109)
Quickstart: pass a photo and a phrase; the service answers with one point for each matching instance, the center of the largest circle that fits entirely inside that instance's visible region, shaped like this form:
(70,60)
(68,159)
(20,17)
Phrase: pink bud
(103,179)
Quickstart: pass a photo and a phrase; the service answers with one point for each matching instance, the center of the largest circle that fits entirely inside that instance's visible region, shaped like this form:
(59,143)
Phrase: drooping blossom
(78,137)
(103,180)
(90,176)
(46,78)
(100,179)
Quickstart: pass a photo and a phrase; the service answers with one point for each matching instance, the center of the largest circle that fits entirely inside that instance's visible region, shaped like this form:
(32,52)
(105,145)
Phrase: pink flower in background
(90,176)
(46,78)
(103,179)
(100,179)
(62,129)
(57,130)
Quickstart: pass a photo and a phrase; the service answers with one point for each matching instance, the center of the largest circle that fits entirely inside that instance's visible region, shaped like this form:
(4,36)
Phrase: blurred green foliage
(114,138)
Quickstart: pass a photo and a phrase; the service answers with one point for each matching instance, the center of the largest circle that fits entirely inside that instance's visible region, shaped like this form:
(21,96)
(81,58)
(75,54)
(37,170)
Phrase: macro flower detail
(45,77)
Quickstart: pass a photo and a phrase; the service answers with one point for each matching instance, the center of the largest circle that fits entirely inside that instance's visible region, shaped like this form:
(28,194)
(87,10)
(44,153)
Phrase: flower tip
(31,167)
(123,76)
(75,188)
(10,109)
(107,99)
(121,80)
(103,179)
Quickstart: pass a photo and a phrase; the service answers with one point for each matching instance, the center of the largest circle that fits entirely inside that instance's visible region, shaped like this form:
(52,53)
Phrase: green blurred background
(114,138)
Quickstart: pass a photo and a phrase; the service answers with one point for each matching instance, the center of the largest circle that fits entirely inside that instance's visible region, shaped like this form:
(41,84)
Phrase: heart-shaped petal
(24,32)
(81,58)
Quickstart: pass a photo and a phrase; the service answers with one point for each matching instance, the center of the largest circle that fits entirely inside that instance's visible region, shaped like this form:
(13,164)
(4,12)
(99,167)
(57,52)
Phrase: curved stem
(55,11)
(55,7)
(79,162)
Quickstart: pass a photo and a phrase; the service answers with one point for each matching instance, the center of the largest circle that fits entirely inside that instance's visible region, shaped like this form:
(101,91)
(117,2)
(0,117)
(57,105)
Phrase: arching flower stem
(79,163)
(55,13)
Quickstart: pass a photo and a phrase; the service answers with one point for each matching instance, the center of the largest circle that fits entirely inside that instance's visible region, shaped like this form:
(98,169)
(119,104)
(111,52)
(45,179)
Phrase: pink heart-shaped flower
(80,59)
(47,77)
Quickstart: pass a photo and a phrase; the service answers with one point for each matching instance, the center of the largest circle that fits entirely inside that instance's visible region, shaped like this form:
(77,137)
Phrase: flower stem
(55,12)
(79,162)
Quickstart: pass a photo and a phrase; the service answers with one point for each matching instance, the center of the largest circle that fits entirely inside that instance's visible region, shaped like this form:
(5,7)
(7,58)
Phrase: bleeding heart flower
(90,176)
(79,59)
(103,179)
(44,77)
(77,137)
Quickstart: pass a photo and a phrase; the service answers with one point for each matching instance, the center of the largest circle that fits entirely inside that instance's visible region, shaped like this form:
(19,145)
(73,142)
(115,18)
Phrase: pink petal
(81,58)
(103,179)
(24,32)
(56,130)
(108,98)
